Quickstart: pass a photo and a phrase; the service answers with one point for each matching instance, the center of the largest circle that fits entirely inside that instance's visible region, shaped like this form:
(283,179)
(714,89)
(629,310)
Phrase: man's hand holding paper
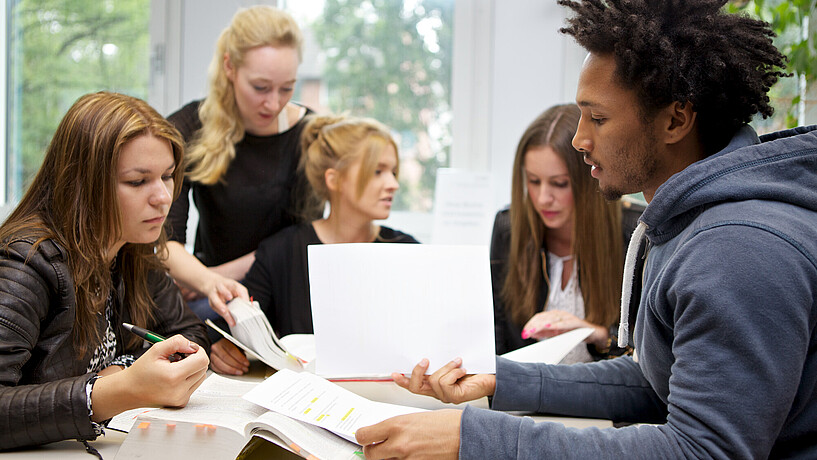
(450,384)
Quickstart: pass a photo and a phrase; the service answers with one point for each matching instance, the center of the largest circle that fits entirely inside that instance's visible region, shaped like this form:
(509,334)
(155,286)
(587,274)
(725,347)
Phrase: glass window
(388,60)
(57,51)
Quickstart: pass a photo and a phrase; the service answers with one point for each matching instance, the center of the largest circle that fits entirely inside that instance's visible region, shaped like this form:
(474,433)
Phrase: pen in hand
(152,337)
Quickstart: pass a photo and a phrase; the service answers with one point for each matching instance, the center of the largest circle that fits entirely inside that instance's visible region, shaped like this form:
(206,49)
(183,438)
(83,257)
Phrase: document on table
(381,308)
(312,399)
(552,350)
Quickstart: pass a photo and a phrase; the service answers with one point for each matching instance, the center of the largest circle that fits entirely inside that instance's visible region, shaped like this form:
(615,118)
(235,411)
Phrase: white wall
(531,66)
(3,70)
(183,36)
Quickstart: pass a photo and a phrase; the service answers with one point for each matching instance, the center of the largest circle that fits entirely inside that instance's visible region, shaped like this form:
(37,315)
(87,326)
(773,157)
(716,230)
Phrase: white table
(108,445)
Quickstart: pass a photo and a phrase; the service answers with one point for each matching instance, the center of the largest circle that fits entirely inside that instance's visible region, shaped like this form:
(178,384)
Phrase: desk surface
(108,445)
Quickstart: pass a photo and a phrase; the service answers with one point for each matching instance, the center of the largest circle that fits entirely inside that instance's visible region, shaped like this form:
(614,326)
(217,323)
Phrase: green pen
(152,337)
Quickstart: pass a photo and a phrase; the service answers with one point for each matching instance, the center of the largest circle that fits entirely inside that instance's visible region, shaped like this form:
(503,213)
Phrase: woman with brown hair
(557,254)
(78,257)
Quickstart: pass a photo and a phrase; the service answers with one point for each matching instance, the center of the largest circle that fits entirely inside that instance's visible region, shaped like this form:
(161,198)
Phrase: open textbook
(217,422)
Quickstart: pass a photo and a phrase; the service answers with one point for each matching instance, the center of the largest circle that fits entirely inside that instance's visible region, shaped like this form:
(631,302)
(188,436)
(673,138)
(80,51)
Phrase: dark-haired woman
(77,259)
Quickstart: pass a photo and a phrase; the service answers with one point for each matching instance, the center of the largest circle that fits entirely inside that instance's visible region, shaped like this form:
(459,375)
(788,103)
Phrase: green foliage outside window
(790,20)
(391,60)
(58,51)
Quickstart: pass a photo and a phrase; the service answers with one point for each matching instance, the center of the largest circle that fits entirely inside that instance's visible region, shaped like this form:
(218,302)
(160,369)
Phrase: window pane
(389,60)
(58,51)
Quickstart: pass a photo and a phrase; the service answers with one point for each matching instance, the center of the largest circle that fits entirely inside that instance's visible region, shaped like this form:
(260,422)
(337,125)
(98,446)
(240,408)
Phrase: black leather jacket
(42,380)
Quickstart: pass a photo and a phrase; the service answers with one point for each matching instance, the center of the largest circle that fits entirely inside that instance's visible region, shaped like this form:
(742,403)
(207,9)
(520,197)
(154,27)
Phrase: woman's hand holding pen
(153,379)
(450,383)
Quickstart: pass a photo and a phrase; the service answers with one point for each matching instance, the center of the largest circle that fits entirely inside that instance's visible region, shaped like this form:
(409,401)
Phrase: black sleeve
(500,245)
(32,414)
(176,224)
(259,279)
(630,213)
(172,314)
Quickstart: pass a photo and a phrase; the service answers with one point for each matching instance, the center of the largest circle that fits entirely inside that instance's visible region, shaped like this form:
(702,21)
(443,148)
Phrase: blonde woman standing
(242,158)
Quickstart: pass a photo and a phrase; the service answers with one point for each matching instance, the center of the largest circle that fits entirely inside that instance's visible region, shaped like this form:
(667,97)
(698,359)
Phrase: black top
(279,278)
(261,193)
(508,334)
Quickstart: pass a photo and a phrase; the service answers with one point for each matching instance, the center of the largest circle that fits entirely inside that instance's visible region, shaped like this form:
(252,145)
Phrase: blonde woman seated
(352,163)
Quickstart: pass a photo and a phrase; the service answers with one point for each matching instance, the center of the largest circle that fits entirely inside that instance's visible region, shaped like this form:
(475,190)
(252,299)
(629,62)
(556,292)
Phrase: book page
(216,402)
(270,359)
(124,420)
(303,438)
(314,400)
(552,350)
(381,308)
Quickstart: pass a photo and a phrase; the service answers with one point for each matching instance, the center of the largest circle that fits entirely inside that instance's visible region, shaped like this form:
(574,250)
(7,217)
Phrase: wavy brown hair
(597,245)
(73,202)
(213,147)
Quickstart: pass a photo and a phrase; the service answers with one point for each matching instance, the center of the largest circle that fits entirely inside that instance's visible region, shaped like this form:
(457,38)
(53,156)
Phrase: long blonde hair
(597,244)
(73,201)
(337,142)
(213,147)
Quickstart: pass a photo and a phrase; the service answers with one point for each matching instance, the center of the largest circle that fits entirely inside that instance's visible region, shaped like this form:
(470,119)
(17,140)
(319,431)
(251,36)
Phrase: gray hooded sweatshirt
(725,338)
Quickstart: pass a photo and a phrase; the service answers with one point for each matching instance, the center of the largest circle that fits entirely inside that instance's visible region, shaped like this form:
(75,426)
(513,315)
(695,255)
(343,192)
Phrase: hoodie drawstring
(627,282)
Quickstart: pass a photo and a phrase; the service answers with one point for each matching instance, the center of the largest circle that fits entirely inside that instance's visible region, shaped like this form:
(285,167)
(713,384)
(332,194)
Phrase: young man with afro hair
(726,333)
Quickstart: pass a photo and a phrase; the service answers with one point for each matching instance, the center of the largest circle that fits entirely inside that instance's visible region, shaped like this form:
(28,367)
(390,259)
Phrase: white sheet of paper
(463,207)
(312,399)
(552,350)
(381,308)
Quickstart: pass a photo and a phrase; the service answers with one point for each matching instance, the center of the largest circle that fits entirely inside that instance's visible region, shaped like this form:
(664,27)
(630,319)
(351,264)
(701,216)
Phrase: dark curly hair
(685,51)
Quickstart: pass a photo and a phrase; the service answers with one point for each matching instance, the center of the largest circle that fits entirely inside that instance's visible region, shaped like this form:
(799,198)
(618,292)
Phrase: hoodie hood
(781,166)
